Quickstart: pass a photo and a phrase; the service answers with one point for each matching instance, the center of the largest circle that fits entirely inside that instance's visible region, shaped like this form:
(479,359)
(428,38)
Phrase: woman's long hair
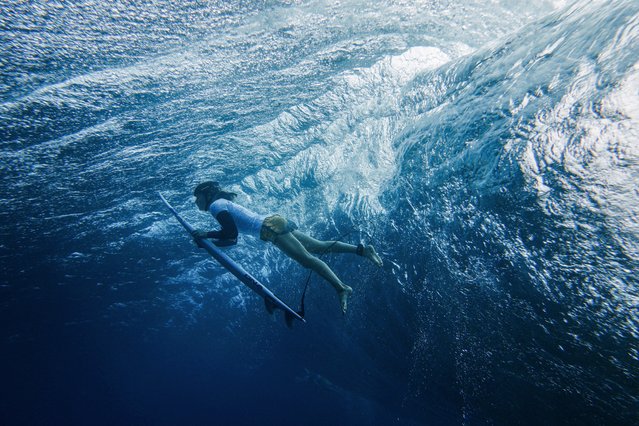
(213,191)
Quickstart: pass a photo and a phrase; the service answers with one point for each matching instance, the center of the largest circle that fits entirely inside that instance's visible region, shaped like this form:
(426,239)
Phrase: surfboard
(271,301)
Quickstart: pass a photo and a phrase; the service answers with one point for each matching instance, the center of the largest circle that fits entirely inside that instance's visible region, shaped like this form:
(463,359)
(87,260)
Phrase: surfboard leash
(302,309)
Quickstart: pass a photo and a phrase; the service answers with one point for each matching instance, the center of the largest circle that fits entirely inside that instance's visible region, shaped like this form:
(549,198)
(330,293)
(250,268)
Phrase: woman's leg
(321,247)
(294,249)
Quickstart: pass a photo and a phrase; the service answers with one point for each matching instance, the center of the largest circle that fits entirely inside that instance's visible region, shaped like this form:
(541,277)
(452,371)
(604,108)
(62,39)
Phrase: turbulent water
(488,149)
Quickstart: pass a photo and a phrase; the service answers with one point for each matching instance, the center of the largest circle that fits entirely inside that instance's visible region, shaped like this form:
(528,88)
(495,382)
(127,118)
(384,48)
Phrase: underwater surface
(489,150)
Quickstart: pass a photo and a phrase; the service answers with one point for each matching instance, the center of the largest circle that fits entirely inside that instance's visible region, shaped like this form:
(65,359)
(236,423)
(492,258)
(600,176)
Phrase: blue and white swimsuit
(245,220)
(235,219)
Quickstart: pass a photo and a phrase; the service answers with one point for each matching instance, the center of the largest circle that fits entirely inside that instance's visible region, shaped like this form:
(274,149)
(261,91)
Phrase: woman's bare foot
(343,297)
(371,254)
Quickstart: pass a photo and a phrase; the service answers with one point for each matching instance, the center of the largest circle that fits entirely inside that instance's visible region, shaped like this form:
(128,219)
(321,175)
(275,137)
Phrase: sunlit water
(488,149)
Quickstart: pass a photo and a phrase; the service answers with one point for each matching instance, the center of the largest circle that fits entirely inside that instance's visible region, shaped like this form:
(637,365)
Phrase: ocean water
(488,149)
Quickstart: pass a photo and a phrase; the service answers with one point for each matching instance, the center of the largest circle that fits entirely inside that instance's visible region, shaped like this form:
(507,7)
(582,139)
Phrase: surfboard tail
(289,317)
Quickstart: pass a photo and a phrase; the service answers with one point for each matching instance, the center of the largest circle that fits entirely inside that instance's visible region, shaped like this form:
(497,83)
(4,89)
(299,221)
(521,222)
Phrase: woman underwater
(234,219)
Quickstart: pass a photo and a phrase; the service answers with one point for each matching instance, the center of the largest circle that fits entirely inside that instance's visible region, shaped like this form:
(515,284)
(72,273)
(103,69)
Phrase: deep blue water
(488,150)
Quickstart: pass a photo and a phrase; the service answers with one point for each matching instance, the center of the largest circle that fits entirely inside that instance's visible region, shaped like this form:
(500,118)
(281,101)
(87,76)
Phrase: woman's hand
(198,234)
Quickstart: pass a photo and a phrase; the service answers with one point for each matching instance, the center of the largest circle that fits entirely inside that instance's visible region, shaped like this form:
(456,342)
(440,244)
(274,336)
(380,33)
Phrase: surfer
(283,233)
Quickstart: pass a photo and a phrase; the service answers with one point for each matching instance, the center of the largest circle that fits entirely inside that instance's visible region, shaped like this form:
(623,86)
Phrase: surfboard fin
(270,306)
(288,317)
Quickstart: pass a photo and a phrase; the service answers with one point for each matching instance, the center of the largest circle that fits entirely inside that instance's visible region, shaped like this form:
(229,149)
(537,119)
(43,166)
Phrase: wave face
(487,149)
(517,190)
